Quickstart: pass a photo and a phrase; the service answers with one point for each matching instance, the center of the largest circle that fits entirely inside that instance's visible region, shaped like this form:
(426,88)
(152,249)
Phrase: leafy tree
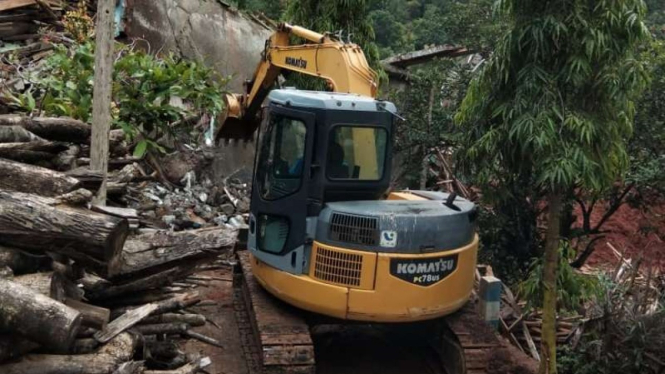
(271,8)
(391,36)
(553,106)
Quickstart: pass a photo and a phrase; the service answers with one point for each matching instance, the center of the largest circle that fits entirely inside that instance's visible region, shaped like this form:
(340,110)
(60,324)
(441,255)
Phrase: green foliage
(572,288)
(557,99)
(647,147)
(143,90)
(444,82)
(402,26)
(271,8)
(623,339)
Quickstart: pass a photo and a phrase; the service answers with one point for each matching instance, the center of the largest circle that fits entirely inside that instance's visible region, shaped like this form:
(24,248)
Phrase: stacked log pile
(100,289)
(84,296)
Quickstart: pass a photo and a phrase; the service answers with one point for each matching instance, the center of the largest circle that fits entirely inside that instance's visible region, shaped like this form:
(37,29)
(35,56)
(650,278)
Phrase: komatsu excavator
(325,235)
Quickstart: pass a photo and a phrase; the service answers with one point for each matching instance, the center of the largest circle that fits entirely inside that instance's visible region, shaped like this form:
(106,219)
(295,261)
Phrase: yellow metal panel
(301,291)
(391,300)
(395,300)
(340,271)
(364,152)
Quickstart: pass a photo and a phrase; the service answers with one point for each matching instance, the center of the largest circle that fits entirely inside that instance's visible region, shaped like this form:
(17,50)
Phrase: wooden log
(14,134)
(92,315)
(12,346)
(160,247)
(29,221)
(190,319)
(48,284)
(37,317)
(78,197)
(93,283)
(162,328)
(21,263)
(118,212)
(60,129)
(105,361)
(131,367)
(15,176)
(31,152)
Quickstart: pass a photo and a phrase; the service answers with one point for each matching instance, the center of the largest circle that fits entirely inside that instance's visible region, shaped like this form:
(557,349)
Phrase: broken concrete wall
(204,30)
(208,31)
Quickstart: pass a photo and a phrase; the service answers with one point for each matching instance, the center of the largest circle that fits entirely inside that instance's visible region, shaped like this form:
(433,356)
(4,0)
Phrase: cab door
(279,191)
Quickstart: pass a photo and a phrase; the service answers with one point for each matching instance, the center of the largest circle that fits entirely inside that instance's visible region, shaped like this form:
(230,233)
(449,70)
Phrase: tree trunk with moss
(548,342)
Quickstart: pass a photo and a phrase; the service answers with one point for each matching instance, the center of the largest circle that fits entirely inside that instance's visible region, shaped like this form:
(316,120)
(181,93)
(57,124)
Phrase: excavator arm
(342,65)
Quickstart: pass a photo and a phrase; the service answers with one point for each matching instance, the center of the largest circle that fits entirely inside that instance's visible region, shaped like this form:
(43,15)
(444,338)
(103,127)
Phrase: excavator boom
(342,65)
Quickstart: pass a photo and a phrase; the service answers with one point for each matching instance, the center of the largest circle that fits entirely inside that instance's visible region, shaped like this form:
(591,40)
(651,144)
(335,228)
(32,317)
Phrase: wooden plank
(124,322)
(101,109)
(13,4)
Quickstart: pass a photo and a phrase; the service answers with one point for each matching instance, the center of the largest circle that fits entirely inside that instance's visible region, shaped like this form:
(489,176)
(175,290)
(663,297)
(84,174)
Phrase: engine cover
(398,226)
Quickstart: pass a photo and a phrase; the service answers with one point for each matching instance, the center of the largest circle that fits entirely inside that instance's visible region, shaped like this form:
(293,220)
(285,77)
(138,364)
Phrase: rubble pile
(89,287)
(195,205)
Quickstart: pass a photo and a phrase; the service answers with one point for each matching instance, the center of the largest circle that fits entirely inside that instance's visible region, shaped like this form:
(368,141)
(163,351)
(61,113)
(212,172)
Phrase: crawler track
(278,331)
(276,337)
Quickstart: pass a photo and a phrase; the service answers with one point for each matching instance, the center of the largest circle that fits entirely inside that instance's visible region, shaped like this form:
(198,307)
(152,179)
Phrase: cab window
(280,166)
(356,152)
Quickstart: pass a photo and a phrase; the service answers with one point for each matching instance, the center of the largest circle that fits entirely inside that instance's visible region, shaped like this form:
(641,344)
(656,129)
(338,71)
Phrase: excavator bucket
(237,129)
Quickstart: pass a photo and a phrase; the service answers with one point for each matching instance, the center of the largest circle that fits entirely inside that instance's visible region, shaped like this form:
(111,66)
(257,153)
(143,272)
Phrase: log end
(114,245)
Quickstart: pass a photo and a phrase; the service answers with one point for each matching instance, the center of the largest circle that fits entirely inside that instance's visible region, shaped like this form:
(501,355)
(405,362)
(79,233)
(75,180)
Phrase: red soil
(639,231)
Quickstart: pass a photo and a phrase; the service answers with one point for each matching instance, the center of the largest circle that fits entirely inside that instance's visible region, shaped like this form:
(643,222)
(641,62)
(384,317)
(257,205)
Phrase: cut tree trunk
(160,247)
(105,361)
(548,343)
(32,222)
(15,176)
(14,134)
(60,129)
(37,317)
(93,316)
(32,151)
(48,284)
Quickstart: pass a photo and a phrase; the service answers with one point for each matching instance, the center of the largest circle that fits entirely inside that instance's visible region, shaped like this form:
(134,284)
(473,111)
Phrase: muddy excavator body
(321,236)
(325,234)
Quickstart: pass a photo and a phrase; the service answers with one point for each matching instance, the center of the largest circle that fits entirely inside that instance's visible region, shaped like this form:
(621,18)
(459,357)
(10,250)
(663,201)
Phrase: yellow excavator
(325,236)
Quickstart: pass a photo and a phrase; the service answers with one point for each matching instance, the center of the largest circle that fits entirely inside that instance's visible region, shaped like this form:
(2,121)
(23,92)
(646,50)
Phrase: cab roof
(329,100)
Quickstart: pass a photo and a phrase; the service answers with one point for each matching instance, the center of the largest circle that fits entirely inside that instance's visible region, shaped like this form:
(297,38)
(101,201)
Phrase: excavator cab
(314,147)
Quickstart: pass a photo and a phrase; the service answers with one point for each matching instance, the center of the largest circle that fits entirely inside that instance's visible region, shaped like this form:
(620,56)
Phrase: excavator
(326,237)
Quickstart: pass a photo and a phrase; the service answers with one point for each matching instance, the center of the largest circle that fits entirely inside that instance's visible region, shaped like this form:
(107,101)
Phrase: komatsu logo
(424,268)
(423,272)
(297,62)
